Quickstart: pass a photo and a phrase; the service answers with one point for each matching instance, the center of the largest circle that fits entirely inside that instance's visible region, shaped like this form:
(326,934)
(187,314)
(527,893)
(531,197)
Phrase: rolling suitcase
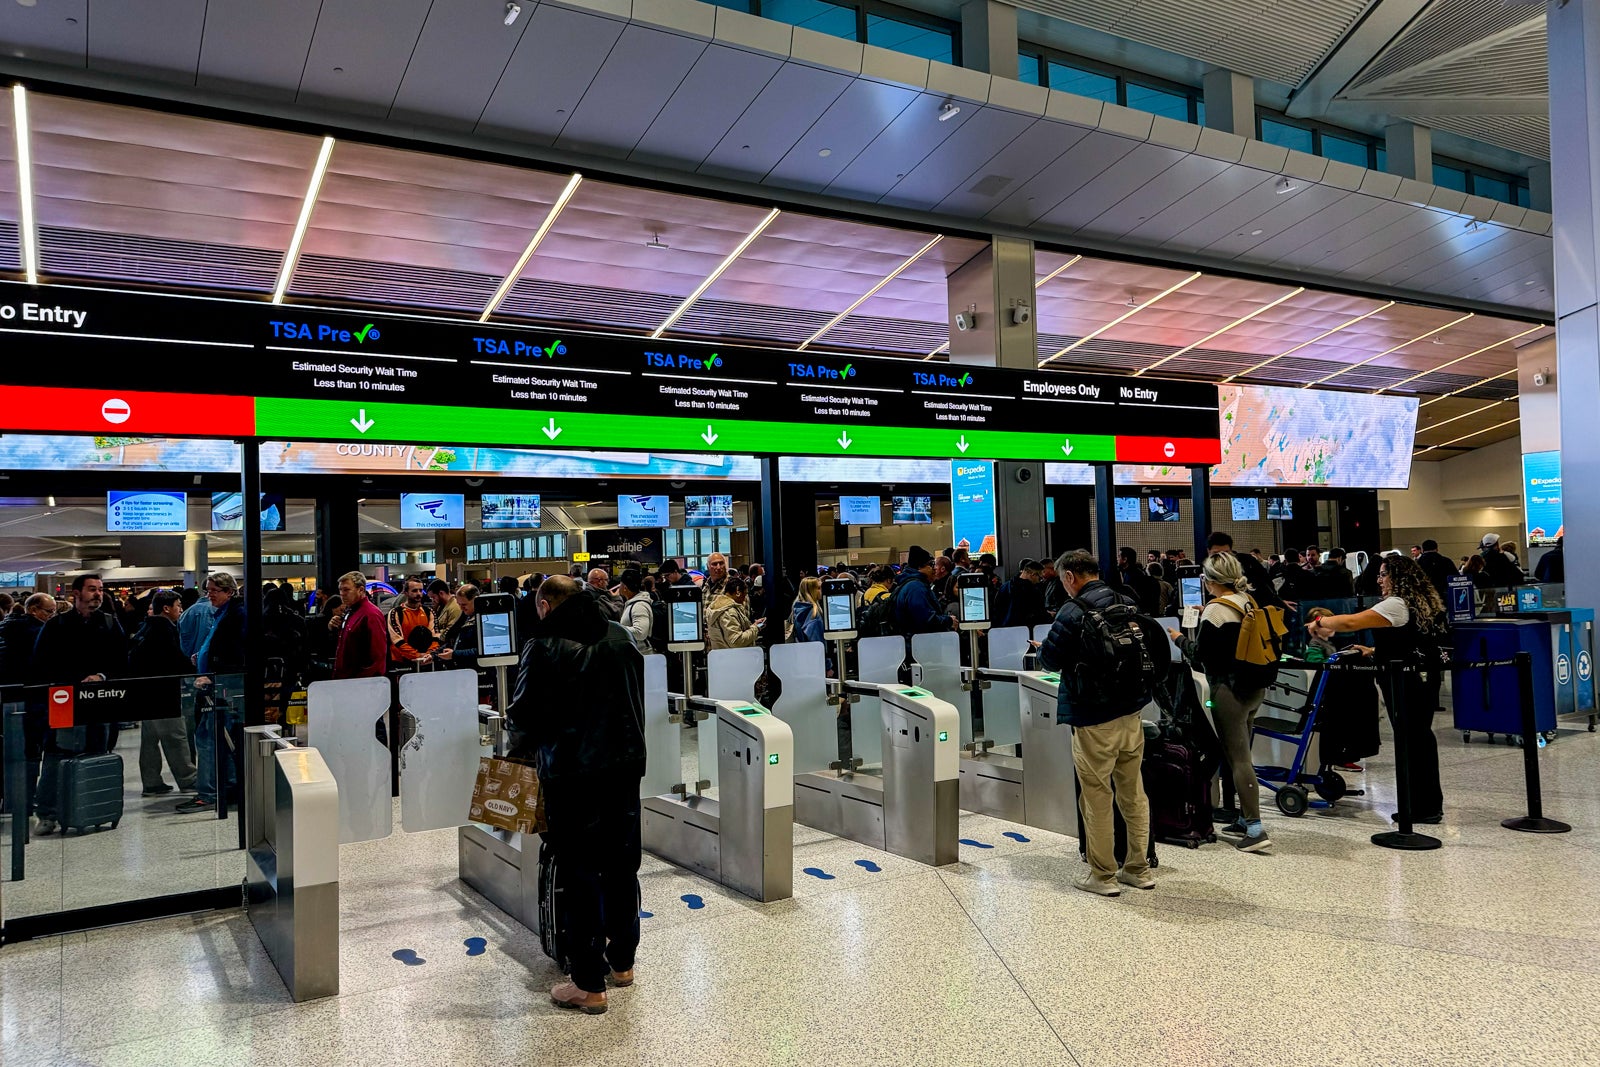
(91,792)
(1179,789)
(552,914)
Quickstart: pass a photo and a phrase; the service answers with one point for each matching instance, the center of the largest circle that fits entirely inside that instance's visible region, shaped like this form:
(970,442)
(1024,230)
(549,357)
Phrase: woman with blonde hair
(806,619)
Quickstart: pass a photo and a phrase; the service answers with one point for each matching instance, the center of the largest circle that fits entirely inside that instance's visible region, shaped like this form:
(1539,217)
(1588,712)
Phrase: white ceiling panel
(963,157)
(795,98)
(1020,161)
(1320,230)
(1250,212)
(1080,164)
(1465,265)
(1451,239)
(1215,195)
(1113,185)
(157,39)
(455,67)
(637,79)
(359,53)
(1376,221)
(705,107)
(46,33)
(843,132)
(1171,186)
(256,49)
(908,140)
(549,72)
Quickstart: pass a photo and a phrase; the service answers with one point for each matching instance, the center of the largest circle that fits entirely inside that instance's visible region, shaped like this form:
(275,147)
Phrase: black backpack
(660,625)
(877,619)
(1121,660)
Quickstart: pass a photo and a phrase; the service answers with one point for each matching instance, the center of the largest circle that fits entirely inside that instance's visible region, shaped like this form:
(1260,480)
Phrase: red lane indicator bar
(1179,450)
(25,408)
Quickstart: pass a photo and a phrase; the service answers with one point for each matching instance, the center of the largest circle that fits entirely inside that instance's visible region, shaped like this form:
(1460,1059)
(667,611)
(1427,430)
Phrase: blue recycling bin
(1488,700)
(1580,640)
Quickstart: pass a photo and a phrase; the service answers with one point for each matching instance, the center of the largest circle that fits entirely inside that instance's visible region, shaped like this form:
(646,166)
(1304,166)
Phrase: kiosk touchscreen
(686,625)
(838,609)
(972,601)
(495,615)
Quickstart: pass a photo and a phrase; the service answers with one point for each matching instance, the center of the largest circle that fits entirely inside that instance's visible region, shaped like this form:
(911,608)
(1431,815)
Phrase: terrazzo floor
(1328,952)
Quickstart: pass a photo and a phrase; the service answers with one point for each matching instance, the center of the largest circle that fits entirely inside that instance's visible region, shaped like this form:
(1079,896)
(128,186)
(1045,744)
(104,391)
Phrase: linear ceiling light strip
(533,246)
(711,279)
(1469,436)
(25,218)
(1125,316)
(1458,359)
(1213,336)
(1389,351)
(1058,271)
(1465,414)
(292,256)
(942,348)
(1306,344)
(1468,388)
(870,293)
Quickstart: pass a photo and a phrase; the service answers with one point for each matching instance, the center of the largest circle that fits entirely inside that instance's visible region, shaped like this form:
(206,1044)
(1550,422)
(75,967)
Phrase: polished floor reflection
(1328,952)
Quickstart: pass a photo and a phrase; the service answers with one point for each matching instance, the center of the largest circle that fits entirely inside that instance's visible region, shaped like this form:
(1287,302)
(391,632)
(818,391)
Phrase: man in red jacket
(363,648)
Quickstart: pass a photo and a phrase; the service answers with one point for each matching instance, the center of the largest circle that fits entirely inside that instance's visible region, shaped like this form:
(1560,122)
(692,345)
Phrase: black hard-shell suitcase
(91,792)
(1177,781)
(553,936)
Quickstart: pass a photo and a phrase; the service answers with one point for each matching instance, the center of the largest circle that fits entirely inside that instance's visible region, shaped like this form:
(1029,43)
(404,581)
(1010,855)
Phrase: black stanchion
(1534,822)
(1405,839)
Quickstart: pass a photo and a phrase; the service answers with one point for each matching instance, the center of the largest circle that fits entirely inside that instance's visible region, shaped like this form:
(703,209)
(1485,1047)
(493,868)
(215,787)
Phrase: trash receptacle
(1487,700)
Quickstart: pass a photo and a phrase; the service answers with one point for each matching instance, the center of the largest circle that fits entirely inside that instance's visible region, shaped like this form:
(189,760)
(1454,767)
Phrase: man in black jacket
(155,651)
(1498,570)
(578,713)
(1137,583)
(1020,602)
(1332,580)
(1255,572)
(1438,568)
(18,635)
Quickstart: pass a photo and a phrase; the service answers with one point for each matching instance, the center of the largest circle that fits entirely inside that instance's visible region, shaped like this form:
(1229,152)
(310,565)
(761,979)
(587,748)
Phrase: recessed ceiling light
(949,110)
(825,152)
(656,242)
(1255,233)
(1285,186)
(26,3)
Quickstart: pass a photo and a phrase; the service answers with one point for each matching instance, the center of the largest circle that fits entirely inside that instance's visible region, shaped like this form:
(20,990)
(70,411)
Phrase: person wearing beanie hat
(918,558)
(916,611)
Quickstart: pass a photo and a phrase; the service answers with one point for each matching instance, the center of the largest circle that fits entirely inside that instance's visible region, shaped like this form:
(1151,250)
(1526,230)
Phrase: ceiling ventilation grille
(10,256)
(156,261)
(1445,27)
(363,281)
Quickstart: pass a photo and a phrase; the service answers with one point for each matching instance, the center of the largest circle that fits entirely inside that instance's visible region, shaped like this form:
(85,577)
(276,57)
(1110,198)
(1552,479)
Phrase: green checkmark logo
(362,336)
(847,369)
(552,349)
(966,379)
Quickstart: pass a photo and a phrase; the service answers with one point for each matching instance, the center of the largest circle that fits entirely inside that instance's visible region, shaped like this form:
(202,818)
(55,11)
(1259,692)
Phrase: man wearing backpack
(1110,665)
(916,611)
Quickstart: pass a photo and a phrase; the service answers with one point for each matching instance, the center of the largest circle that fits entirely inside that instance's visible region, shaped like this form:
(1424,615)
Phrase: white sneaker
(46,827)
(1090,884)
(1143,881)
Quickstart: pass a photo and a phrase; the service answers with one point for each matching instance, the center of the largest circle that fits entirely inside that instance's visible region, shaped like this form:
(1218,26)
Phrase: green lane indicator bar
(345,420)
(772,759)
(944,735)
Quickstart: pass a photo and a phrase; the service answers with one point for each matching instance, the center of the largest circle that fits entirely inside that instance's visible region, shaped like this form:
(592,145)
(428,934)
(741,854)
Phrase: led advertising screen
(1163,508)
(147,512)
(972,511)
(912,510)
(1541,497)
(708,511)
(433,511)
(227,512)
(510,511)
(643,512)
(1125,508)
(1280,507)
(1246,508)
(861,510)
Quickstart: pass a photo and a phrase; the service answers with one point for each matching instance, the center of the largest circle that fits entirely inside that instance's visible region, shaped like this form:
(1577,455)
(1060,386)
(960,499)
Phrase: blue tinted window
(1083,82)
(1493,188)
(737,5)
(1027,68)
(1158,101)
(913,40)
(1344,150)
(1285,136)
(818,15)
(1200,112)
(1522,196)
(1450,177)
(1383,157)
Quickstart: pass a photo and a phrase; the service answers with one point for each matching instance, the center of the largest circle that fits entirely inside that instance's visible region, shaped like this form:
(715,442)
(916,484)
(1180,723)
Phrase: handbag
(506,795)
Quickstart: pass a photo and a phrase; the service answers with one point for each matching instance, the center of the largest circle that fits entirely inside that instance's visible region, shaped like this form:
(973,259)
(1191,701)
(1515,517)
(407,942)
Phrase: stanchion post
(1534,822)
(1405,838)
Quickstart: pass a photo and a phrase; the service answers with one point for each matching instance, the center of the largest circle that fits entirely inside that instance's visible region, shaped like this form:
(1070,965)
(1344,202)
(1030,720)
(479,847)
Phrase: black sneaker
(156,790)
(1431,820)
(1237,828)
(1257,843)
(194,804)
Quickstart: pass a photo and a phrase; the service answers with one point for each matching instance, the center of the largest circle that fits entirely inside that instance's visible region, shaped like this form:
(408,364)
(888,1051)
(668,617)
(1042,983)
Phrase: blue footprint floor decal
(868,865)
(817,872)
(1016,836)
(693,900)
(974,844)
(409,957)
(647,915)
(476,946)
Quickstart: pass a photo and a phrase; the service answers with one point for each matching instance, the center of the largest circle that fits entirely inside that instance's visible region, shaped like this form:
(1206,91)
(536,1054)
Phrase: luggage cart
(1298,727)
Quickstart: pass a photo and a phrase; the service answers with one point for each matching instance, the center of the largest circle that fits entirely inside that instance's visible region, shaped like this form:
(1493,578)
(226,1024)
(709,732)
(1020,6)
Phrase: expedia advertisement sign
(114,700)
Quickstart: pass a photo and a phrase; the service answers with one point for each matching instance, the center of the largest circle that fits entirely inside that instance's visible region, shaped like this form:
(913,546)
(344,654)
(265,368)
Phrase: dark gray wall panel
(635,82)
(719,89)
(1038,146)
(1215,195)
(371,40)
(909,140)
(1320,230)
(845,130)
(548,74)
(1182,179)
(1458,242)
(458,61)
(43,33)
(1285,211)
(960,160)
(256,49)
(1111,186)
(148,38)
(794,99)
(1071,171)
(1401,231)
(1383,215)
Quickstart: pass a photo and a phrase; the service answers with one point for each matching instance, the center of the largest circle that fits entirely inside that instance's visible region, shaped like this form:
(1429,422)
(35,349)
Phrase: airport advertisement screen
(1163,508)
(643,512)
(510,511)
(972,511)
(1125,509)
(912,510)
(861,510)
(433,511)
(147,512)
(707,511)
(1246,508)
(1541,497)
(227,512)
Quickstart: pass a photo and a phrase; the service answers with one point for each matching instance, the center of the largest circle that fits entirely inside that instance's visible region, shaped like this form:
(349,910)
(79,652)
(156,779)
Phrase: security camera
(513,9)
(1543,378)
(1021,315)
(965,321)
(1024,475)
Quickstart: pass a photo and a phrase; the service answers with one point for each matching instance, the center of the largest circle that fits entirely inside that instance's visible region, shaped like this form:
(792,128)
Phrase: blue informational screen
(972,513)
(1280,507)
(1246,508)
(861,510)
(227,512)
(1126,508)
(643,512)
(511,511)
(433,511)
(1163,508)
(708,511)
(147,512)
(1541,497)
(915,510)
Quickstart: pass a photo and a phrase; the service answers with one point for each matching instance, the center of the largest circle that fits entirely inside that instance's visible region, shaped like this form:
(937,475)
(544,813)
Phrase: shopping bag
(506,796)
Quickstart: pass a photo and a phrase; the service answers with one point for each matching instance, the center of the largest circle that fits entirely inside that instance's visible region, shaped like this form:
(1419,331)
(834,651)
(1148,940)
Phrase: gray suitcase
(91,792)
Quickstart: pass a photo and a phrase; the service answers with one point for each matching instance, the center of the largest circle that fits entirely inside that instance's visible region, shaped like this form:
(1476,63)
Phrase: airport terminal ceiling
(128,196)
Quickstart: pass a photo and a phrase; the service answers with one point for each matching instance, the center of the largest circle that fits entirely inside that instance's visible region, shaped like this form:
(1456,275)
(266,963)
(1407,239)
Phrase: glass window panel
(1158,101)
(1027,68)
(560,545)
(1493,188)
(1088,83)
(724,539)
(1344,150)
(737,5)
(1383,157)
(669,543)
(1199,111)
(1522,196)
(1450,177)
(923,41)
(499,550)
(1285,136)
(819,15)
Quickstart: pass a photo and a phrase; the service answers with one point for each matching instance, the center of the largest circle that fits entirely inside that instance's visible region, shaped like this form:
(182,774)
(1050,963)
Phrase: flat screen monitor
(838,613)
(1246,508)
(643,512)
(685,621)
(708,511)
(861,510)
(1191,592)
(433,511)
(912,510)
(510,511)
(974,604)
(227,512)
(1126,508)
(1163,508)
(140,511)
(496,631)
(1280,507)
